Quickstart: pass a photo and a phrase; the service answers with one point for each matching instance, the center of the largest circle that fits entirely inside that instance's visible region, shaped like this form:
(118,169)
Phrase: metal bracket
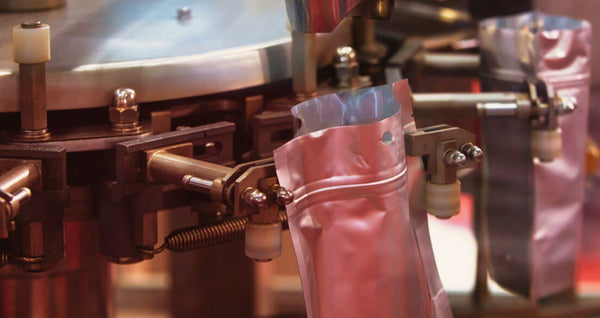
(131,161)
(444,149)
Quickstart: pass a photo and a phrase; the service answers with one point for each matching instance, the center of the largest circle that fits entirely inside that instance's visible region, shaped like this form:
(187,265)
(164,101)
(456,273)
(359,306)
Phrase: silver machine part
(164,58)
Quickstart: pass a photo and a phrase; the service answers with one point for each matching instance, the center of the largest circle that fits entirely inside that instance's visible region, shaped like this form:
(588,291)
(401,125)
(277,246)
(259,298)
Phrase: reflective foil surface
(534,209)
(357,251)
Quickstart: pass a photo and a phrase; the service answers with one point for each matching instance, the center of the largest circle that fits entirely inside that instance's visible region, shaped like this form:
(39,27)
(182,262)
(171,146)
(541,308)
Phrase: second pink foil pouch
(358,253)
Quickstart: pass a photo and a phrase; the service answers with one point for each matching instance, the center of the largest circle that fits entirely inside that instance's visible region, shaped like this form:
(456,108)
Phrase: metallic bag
(533,208)
(357,250)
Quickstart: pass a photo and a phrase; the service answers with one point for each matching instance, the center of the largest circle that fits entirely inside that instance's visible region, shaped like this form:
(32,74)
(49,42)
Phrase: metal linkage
(539,104)
(243,188)
(197,237)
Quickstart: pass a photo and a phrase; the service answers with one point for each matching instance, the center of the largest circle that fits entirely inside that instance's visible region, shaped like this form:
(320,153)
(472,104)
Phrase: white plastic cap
(31,45)
(263,241)
(442,200)
(546,145)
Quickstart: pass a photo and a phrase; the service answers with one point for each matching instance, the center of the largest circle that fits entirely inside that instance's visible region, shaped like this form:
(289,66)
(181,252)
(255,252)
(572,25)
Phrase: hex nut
(123,113)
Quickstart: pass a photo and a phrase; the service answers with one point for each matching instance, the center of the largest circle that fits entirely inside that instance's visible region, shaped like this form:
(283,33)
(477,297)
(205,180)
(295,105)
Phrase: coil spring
(197,237)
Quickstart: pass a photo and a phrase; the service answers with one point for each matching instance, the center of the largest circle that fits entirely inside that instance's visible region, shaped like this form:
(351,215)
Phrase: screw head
(455,158)
(280,195)
(472,152)
(565,105)
(254,198)
(475,154)
(184,13)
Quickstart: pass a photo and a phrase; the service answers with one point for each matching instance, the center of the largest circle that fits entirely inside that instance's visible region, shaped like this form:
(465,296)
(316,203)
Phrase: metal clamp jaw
(540,105)
(546,141)
(249,189)
(33,231)
(444,149)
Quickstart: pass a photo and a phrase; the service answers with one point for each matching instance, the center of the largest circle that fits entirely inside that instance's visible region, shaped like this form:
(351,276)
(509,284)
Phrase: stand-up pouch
(533,208)
(357,251)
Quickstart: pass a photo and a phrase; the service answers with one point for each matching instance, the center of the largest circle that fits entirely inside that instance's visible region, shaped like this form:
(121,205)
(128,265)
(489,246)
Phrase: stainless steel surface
(32,100)
(197,184)
(172,168)
(99,46)
(28,5)
(123,113)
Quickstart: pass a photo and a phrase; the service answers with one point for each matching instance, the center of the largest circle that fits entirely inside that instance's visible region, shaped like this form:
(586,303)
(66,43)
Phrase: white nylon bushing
(31,45)
(546,145)
(263,241)
(442,200)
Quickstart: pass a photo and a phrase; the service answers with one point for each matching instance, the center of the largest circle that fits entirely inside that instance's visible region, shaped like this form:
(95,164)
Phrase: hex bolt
(280,195)
(123,113)
(455,158)
(346,66)
(254,198)
(472,152)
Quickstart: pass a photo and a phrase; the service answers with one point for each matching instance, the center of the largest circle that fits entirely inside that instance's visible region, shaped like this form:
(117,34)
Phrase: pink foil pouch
(358,253)
(534,209)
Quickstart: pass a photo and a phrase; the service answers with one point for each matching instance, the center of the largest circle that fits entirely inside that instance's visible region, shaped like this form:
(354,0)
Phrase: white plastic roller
(546,145)
(442,200)
(31,43)
(263,241)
